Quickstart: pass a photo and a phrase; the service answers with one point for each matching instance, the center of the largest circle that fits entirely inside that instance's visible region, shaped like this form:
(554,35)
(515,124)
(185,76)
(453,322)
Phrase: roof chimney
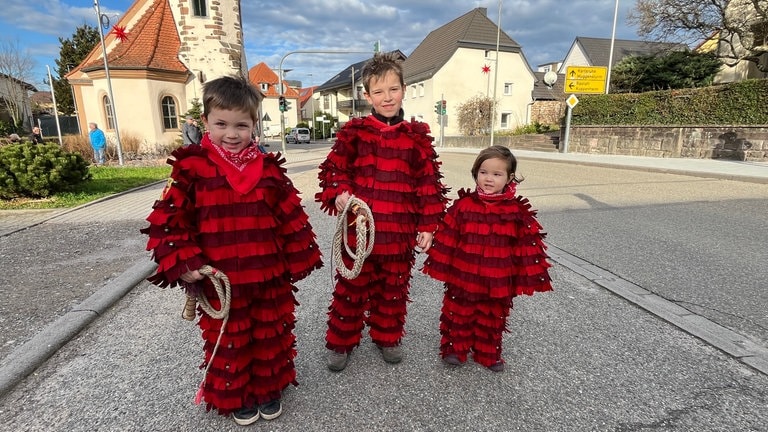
(483,10)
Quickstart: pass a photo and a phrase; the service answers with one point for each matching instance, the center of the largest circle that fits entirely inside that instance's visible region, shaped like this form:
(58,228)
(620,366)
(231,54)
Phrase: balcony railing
(359,104)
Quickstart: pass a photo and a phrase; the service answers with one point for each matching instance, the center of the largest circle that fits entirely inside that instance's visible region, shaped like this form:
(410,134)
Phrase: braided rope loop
(365,230)
(223,289)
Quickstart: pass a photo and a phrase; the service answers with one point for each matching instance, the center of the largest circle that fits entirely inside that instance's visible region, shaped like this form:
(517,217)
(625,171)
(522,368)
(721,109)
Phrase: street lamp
(496,73)
(100,18)
(610,55)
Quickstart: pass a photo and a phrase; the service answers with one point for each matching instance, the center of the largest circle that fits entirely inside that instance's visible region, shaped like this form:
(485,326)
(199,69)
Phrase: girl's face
(231,130)
(386,94)
(492,176)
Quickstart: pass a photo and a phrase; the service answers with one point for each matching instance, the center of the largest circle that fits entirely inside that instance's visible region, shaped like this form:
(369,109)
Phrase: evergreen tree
(73,51)
(673,70)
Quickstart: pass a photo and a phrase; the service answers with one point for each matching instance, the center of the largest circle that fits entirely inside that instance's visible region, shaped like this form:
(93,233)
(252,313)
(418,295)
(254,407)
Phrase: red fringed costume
(487,251)
(393,169)
(241,215)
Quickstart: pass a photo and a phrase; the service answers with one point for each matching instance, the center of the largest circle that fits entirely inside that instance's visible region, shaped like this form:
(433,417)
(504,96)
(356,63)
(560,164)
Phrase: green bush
(739,103)
(39,171)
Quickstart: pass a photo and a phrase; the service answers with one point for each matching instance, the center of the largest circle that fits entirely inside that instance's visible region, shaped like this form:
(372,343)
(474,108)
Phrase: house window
(199,8)
(413,91)
(264,87)
(505,117)
(170,118)
(326,102)
(507,88)
(421,90)
(108,113)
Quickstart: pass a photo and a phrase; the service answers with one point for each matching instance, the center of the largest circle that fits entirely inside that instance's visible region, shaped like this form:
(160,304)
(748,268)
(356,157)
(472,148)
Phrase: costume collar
(242,170)
(391,121)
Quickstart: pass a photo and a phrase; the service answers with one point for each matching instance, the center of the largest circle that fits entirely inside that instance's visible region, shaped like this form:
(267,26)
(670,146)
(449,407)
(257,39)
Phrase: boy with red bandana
(232,207)
(391,165)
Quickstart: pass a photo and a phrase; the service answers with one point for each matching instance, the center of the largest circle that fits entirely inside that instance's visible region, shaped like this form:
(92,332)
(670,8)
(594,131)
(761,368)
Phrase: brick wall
(745,143)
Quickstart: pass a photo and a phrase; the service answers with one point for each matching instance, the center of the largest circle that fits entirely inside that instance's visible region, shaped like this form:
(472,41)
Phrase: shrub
(39,171)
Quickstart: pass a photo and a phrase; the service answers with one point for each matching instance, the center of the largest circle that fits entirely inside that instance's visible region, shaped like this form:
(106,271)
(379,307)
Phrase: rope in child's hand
(365,231)
(224,292)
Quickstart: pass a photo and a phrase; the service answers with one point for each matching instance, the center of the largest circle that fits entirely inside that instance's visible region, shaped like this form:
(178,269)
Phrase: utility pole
(99,18)
(610,55)
(495,74)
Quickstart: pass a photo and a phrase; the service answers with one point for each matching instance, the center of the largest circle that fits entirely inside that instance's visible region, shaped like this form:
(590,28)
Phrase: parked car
(300,135)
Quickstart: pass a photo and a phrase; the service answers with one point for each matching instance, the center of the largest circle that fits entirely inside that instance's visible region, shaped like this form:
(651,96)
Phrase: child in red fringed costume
(391,165)
(489,248)
(232,207)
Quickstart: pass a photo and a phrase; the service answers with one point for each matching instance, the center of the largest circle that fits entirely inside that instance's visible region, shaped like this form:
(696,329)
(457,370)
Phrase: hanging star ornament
(486,69)
(120,33)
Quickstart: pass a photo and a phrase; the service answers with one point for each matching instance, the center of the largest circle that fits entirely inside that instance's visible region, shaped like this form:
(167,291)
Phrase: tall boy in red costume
(233,207)
(391,165)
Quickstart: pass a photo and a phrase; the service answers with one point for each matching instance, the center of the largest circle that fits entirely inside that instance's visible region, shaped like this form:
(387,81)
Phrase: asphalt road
(579,358)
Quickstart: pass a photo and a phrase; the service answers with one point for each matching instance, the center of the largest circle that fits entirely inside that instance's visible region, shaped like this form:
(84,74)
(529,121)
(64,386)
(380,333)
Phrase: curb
(27,358)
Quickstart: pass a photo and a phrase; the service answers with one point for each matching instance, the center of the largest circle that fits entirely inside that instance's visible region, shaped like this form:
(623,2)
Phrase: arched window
(168,108)
(199,8)
(109,114)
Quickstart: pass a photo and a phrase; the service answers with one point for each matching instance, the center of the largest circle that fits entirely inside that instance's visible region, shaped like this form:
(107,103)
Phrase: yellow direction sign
(585,79)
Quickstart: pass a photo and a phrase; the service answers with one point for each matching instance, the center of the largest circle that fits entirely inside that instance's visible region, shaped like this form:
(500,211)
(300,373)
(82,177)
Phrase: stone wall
(547,112)
(745,143)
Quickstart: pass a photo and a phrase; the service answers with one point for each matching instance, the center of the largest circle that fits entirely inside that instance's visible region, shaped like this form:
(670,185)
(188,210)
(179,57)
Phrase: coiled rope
(224,292)
(365,230)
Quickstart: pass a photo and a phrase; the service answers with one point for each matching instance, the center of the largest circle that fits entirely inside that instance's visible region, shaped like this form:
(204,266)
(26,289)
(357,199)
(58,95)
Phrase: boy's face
(385,94)
(229,129)
(492,175)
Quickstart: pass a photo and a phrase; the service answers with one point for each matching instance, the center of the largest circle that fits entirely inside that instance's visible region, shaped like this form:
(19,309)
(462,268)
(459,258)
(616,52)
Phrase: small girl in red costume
(489,248)
(391,165)
(233,207)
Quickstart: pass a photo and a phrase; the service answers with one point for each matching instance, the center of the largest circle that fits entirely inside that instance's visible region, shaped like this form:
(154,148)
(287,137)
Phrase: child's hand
(191,276)
(424,241)
(341,201)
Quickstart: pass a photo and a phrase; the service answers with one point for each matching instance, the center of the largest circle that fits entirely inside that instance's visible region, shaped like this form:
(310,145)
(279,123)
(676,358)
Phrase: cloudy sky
(545,28)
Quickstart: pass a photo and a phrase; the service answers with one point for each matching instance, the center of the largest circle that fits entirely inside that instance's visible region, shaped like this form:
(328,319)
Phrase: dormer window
(264,87)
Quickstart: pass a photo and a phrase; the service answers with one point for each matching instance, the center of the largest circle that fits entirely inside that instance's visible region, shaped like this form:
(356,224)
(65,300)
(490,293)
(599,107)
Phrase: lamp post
(495,74)
(55,109)
(99,18)
(610,55)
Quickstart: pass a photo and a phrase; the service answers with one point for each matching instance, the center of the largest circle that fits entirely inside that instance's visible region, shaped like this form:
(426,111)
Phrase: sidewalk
(135,367)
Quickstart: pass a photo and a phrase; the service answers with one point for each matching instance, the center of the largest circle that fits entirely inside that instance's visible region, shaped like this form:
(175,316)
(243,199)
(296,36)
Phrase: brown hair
(231,93)
(497,152)
(379,66)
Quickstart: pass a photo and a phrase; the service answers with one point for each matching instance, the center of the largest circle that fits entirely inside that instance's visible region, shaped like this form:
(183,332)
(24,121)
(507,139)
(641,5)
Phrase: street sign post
(585,79)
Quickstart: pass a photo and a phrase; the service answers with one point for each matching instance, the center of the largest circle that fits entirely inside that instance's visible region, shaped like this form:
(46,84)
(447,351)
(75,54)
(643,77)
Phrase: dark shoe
(452,359)
(246,416)
(337,361)
(271,410)
(497,367)
(391,354)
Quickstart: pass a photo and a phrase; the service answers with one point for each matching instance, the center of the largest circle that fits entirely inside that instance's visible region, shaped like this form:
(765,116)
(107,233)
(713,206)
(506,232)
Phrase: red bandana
(242,170)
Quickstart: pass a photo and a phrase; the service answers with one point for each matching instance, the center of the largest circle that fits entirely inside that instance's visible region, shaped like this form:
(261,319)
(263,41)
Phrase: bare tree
(15,73)
(740,27)
(475,115)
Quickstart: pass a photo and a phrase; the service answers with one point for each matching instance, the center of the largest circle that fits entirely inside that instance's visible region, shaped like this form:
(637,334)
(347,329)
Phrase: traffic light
(438,107)
(442,108)
(281,105)
(287,105)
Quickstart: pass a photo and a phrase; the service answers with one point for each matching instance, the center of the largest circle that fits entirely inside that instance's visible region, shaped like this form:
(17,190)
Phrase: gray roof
(597,50)
(471,30)
(542,92)
(343,79)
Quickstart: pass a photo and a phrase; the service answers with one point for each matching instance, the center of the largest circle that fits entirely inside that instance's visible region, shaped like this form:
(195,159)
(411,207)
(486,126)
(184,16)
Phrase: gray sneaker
(391,354)
(337,361)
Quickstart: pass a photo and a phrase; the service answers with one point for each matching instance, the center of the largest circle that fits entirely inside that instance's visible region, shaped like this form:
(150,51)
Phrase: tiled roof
(263,74)
(598,50)
(542,92)
(473,29)
(153,41)
(305,94)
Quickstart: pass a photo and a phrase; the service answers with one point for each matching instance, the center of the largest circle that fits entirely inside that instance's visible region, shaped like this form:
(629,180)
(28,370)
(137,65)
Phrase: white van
(299,135)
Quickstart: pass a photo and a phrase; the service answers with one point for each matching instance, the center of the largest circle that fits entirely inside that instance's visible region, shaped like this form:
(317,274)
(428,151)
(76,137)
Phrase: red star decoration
(486,69)
(120,33)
